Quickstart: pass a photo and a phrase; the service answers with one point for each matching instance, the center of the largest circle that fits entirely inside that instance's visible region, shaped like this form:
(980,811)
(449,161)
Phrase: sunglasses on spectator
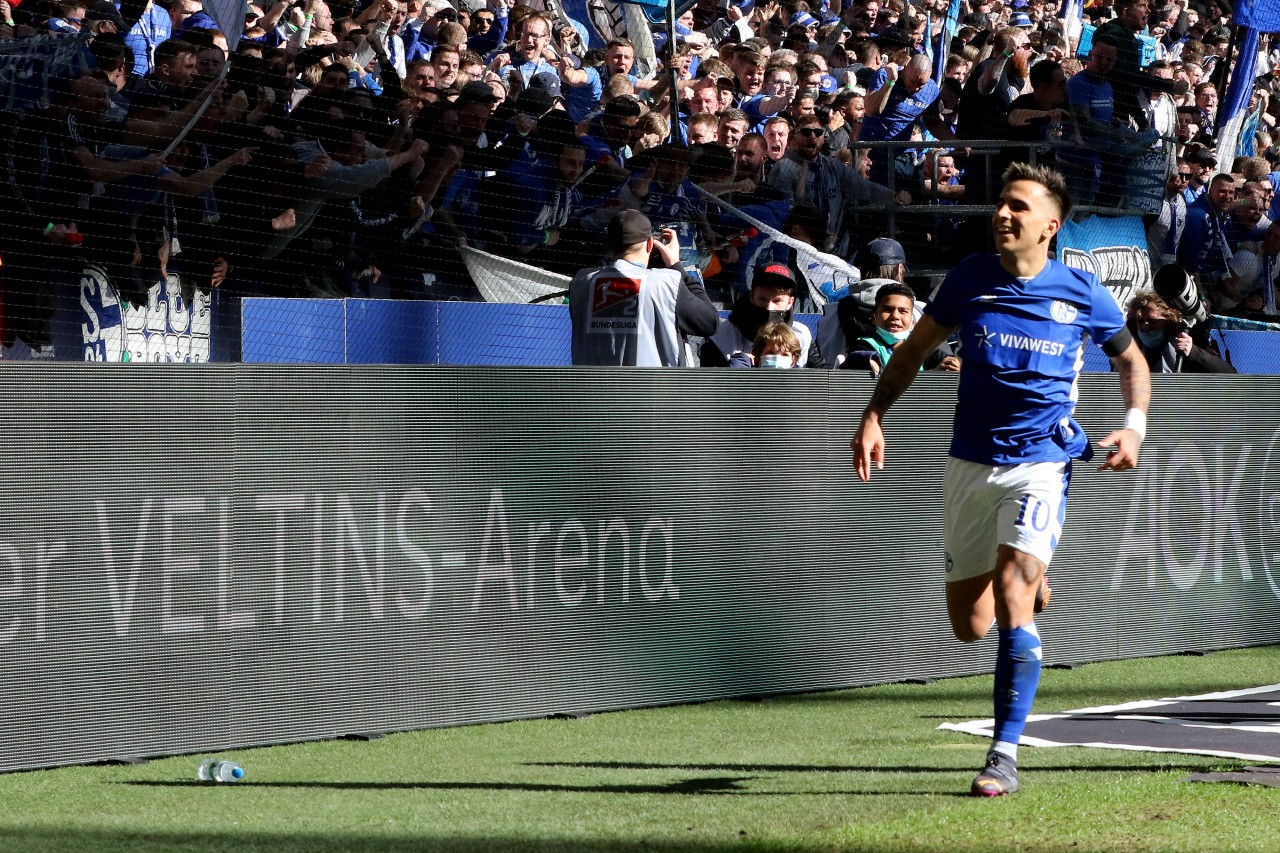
(1182,176)
(811,131)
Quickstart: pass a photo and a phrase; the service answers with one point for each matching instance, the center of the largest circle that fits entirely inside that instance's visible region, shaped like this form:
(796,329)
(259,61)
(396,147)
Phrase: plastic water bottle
(218,770)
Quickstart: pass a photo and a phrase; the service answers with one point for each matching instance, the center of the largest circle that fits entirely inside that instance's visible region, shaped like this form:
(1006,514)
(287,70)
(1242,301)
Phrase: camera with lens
(1176,287)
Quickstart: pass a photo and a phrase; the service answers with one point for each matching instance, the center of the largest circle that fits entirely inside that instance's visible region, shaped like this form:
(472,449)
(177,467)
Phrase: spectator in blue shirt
(896,107)
(1204,251)
(529,55)
(152,28)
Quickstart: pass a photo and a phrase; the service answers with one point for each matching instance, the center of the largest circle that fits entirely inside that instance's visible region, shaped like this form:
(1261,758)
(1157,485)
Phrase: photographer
(626,314)
(1167,342)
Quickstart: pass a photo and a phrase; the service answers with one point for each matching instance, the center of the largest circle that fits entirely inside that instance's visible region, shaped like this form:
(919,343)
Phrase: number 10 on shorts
(1034,513)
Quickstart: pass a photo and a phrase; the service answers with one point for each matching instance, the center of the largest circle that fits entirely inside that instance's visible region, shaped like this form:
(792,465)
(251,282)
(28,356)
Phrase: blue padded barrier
(503,334)
(375,331)
(293,331)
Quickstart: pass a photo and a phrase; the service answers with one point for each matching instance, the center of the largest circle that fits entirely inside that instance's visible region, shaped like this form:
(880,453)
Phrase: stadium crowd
(346,149)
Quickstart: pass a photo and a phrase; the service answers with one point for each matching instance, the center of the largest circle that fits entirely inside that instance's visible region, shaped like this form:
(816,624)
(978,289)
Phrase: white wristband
(1136,420)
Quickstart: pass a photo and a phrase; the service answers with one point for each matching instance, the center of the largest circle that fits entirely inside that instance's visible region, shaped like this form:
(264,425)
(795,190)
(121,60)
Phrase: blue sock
(1017,676)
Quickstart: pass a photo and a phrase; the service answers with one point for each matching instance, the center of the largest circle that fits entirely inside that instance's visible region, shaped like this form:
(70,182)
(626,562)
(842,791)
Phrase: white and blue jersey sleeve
(1022,344)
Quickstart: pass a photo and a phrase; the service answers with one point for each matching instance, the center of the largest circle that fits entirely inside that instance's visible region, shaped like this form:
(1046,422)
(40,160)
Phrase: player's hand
(868,446)
(1123,456)
(667,246)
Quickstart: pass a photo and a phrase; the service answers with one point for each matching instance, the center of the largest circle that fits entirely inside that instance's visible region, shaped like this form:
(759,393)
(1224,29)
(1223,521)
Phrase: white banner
(505,280)
(230,17)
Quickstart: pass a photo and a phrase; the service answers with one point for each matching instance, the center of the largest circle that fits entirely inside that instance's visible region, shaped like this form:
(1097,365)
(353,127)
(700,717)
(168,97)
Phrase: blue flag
(1235,110)
(950,25)
(1260,15)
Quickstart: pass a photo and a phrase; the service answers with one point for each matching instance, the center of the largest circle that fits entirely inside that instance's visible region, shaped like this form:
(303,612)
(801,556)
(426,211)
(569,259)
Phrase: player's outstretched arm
(1135,387)
(895,379)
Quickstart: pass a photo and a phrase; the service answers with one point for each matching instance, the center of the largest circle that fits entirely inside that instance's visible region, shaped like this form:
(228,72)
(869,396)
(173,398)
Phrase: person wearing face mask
(772,299)
(1165,343)
(776,347)
(894,316)
(883,262)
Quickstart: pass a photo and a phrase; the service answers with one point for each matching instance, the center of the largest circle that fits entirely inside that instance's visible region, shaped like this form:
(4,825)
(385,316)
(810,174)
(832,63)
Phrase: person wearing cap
(1023,321)
(893,317)
(103,17)
(848,315)
(475,103)
(804,19)
(531,105)
(460,214)
(1126,76)
(771,299)
(625,314)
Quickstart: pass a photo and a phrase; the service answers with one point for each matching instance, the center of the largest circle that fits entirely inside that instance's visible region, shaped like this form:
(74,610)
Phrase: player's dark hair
(1052,181)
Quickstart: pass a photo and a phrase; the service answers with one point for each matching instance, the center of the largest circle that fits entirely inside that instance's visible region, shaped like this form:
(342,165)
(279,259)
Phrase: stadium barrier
(198,327)
(225,556)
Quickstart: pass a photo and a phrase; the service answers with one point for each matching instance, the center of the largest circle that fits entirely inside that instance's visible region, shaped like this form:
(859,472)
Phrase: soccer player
(1022,320)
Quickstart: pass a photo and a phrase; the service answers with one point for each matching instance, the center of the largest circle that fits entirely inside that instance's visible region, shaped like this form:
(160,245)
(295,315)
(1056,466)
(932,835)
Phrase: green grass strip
(851,770)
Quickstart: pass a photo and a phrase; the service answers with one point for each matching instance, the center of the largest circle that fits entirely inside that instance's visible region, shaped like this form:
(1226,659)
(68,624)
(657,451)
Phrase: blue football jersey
(1022,344)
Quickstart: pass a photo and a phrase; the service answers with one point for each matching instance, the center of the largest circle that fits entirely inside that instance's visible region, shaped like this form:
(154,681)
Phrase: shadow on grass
(846,768)
(706,787)
(109,841)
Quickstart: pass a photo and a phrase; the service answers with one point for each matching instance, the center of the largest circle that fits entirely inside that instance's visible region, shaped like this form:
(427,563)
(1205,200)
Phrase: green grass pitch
(862,769)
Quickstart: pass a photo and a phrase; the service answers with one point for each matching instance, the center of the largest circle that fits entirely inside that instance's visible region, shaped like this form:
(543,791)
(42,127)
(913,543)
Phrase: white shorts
(1022,506)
